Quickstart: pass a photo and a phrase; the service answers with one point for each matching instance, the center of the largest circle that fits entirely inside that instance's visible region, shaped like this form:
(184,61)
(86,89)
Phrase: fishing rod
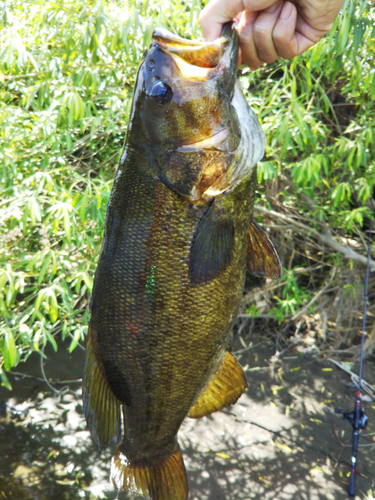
(358,417)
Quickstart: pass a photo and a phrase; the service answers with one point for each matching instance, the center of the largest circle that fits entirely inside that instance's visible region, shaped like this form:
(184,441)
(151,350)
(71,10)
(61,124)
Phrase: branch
(325,236)
(20,77)
(315,298)
(329,103)
(370,389)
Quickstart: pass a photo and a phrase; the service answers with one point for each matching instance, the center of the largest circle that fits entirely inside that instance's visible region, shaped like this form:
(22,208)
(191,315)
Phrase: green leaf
(62,127)
(75,340)
(10,351)
(54,313)
(44,268)
(344,34)
(38,301)
(4,380)
(82,208)
(51,340)
(67,225)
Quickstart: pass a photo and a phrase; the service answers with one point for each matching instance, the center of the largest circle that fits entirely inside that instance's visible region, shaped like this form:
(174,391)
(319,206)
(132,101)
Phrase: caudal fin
(162,480)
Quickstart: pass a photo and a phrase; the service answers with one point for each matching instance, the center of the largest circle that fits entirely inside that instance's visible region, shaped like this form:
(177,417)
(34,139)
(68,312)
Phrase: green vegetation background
(67,72)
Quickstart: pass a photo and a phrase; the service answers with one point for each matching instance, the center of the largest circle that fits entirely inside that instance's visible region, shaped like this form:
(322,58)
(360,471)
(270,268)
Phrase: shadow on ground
(280,441)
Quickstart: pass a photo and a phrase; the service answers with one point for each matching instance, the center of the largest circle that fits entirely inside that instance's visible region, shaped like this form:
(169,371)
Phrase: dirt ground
(282,440)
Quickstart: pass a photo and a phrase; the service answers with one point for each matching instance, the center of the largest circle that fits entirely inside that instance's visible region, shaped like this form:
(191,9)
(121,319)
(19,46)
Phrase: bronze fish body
(170,276)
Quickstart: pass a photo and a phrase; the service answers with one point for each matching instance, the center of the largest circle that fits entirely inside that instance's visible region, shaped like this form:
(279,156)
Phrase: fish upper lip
(196,53)
(190,52)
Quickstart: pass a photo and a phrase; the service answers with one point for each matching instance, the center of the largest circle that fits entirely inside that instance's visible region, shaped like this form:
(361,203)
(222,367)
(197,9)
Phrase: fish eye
(161,93)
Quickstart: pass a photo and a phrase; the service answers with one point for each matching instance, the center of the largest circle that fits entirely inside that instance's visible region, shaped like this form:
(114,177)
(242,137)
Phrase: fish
(179,235)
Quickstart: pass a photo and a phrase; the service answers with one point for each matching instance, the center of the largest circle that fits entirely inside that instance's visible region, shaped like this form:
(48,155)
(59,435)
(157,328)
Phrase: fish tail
(164,480)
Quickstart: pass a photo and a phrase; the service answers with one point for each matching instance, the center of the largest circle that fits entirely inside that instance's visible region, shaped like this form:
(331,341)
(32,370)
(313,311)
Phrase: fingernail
(287,11)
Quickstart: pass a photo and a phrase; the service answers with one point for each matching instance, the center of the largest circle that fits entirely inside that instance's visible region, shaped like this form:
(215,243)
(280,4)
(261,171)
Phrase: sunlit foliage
(67,72)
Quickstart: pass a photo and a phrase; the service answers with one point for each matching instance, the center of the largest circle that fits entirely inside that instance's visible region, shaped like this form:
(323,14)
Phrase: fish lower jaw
(212,142)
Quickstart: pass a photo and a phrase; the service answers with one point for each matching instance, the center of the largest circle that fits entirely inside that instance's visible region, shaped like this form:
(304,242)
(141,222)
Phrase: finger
(263,30)
(284,32)
(218,12)
(287,41)
(307,30)
(248,51)
(320,15)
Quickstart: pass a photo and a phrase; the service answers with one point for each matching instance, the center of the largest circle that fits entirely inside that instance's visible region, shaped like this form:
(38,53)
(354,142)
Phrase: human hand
(270,29)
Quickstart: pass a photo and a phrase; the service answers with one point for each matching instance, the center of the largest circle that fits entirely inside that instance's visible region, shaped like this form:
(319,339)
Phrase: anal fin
(262,258)
(222,389)
(163,479)
(100,406)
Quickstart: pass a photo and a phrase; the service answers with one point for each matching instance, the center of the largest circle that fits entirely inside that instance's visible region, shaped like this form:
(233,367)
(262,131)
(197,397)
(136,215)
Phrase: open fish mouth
(202,54)
(199,60)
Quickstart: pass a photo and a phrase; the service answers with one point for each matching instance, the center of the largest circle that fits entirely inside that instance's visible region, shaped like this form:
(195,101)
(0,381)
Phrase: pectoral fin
(222,389)
(212,248)
(262,258)
(100,406)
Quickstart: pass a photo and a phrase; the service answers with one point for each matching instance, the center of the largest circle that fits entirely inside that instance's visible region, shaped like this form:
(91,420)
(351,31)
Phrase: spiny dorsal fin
(100,406)
(262,258)
(212,248)
(222,389)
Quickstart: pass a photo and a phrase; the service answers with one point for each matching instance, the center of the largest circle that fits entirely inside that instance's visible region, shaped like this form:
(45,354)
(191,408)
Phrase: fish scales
(166,319)
(172,267)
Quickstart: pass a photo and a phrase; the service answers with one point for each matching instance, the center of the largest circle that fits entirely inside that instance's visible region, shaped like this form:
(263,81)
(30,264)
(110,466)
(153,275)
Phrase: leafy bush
(66,77)
(318,175)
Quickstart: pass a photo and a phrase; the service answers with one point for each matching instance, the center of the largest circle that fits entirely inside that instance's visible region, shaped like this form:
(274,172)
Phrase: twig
(64,390)
(57,382)
(329,103)
(241,351)
(298,270)
(244,324)
(102,164)
(80,345)
(370,389)
(315,298)
(260,316)
(19,77)
(286,218)
(323,304)
(345,104)
(280,354)
(325,236)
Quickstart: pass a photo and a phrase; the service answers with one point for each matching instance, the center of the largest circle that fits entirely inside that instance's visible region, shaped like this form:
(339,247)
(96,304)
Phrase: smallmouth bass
(178,234)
